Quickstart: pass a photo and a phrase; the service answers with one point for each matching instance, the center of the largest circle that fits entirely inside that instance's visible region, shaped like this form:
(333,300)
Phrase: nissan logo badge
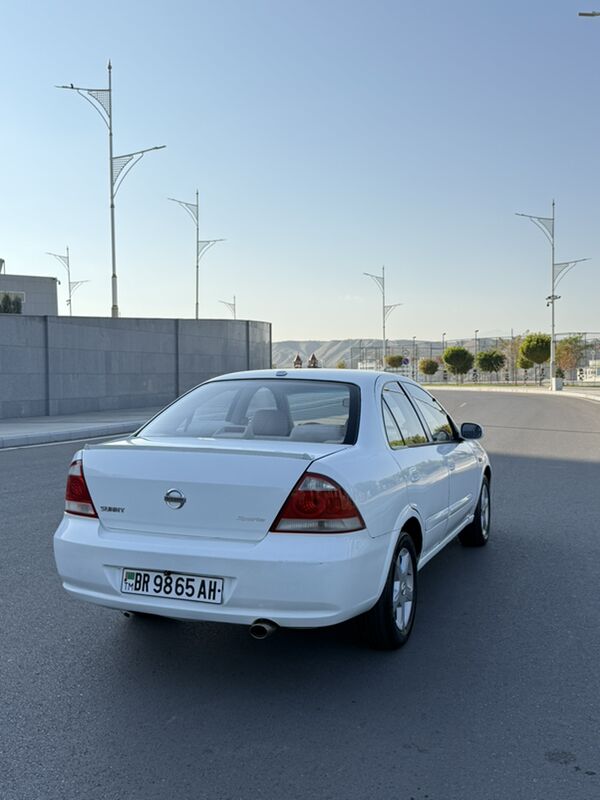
(174,498)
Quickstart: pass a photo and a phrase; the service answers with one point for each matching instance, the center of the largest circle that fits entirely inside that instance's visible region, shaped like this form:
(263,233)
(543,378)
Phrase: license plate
(198,588)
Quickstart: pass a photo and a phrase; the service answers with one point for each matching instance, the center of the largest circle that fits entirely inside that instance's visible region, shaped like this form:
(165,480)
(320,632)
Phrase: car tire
(478,532)
(387,626)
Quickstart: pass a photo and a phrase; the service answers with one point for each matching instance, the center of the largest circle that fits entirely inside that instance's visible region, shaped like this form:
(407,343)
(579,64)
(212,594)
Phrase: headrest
(318,433)
(270,422)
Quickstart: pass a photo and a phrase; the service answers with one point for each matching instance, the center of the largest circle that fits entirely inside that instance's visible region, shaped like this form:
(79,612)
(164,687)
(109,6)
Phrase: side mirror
(471,430)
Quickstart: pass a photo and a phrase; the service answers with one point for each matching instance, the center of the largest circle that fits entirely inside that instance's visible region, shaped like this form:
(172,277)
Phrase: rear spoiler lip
(195,446)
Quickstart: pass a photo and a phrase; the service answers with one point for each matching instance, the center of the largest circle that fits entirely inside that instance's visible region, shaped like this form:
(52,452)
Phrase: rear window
(294,410)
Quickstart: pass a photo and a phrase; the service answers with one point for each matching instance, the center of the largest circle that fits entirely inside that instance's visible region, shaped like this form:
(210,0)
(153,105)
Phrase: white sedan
(275,498)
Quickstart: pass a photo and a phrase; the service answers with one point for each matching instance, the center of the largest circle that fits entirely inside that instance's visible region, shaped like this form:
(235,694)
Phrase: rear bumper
(294,580)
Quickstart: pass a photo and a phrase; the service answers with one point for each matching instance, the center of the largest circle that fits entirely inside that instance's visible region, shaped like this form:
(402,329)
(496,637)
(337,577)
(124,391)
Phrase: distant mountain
(330,353)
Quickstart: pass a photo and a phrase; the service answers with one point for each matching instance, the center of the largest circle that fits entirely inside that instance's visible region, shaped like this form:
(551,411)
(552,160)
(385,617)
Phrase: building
(38,295)
(591,373)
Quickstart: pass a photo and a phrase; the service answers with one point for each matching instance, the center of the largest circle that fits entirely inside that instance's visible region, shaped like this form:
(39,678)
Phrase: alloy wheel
(402,595)
(485,510)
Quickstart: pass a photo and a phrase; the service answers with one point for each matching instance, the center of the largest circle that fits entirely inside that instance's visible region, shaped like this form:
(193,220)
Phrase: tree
(511,348)
(536,347)
(570,351)
(428,366)
(341,364)
(394,361)
(8,306)
(524,363)
(458,360)
(490,361)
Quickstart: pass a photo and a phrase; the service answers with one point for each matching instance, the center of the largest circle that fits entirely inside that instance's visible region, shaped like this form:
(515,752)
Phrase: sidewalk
(43,430)
(590,393)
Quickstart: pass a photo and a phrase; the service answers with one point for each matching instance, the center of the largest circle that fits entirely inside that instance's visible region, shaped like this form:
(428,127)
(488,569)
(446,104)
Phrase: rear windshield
(293,410)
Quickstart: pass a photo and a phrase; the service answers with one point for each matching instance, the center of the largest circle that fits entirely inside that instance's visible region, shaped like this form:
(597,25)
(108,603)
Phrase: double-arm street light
(193,209)
(386,309)
(558,270)
(230,306)
(119,166)
(65,261)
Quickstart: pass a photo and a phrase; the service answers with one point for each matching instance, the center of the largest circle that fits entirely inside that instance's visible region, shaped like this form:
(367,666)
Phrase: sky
(326,138)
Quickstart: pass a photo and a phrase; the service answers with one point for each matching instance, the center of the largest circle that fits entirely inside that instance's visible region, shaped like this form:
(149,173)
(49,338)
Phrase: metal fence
(586,372)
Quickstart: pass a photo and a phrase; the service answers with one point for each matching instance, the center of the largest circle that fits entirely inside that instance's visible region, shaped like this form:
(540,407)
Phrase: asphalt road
(496,697)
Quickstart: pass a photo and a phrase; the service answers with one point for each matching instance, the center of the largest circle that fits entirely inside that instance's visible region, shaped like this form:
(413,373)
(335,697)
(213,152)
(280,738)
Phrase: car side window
(405,416)
(392,432)
(437,420)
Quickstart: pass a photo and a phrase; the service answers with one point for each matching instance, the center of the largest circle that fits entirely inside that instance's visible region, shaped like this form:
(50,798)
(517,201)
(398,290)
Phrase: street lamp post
(193,209)
(230,306)
(589,14)
(442,359)
(386,309)
(476,332)
(72,285)
(414,359)
(557,273)
(119,166)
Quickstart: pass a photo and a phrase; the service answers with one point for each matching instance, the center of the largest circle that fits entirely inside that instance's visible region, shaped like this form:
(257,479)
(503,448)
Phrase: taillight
(77,497)
(318,505)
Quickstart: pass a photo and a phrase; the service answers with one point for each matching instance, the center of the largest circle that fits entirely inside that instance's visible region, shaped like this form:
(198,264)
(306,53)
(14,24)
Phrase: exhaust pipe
(262,629)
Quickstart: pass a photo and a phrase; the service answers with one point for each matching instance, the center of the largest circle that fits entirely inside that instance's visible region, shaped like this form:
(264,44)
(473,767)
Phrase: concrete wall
(65,365)
(39,292)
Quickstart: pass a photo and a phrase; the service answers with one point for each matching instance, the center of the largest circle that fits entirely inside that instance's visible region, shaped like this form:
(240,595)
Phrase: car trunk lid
(230,489)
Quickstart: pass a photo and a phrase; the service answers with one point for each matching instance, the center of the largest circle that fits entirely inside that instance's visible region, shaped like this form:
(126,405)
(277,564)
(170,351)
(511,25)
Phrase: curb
(515,390)
(72,434)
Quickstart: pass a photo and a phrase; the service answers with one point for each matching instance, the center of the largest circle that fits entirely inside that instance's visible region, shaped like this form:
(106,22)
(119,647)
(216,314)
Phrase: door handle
(451,465)
(414,474)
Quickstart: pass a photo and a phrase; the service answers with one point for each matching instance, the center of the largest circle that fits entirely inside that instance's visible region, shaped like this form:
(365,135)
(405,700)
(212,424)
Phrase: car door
(461,459)
(421,459)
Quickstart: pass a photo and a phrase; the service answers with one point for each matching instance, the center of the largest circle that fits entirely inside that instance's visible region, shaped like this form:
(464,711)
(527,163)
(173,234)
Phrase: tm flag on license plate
(129,581)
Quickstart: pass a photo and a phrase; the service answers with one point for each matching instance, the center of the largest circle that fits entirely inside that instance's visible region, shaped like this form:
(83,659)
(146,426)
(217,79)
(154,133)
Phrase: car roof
(361,377)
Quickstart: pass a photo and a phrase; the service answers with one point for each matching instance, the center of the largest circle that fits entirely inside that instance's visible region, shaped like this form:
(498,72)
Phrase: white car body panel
(233,491)
(464,469)
(428,487)
(285,578)
(235,488)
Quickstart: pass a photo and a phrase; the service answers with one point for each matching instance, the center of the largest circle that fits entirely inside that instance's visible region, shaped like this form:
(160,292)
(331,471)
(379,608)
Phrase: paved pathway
(587,393)
(42,430)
